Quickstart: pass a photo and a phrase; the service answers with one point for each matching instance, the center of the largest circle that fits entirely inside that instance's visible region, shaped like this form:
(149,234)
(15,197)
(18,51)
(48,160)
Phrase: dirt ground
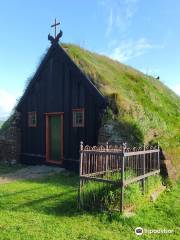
(30,172)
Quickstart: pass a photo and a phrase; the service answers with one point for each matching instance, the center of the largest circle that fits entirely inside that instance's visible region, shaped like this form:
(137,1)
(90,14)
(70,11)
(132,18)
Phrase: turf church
(59,108)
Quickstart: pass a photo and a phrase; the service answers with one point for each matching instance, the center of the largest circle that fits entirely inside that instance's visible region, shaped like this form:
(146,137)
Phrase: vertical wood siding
(59,87)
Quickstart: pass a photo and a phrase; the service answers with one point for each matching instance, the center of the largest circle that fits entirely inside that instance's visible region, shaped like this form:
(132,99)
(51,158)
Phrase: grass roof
(141,100)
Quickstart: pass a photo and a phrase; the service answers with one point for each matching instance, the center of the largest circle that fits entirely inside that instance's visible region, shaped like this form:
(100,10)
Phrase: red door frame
(61,114)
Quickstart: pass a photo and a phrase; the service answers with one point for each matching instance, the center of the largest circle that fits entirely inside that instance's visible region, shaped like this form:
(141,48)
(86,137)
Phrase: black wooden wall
(59,86)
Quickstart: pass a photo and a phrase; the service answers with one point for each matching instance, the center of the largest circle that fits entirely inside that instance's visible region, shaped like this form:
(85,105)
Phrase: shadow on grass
(19,192)
(60,204)
(51,195)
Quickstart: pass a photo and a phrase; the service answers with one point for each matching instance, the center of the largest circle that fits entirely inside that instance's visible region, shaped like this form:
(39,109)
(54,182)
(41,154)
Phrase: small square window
(78,117)
(32,119)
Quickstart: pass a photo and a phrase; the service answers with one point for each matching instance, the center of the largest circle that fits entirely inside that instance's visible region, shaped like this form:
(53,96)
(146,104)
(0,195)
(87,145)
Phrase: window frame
(30,114)
(74,111)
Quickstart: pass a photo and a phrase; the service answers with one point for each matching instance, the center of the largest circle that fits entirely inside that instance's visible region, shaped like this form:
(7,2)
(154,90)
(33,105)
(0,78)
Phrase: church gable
(64,107)
(54,66)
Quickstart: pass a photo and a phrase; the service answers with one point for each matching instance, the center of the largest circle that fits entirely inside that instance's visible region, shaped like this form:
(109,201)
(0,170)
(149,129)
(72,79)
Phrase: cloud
(120,14)
(176,88)
(131,8)
(7,102)
(128,49)
(110,23)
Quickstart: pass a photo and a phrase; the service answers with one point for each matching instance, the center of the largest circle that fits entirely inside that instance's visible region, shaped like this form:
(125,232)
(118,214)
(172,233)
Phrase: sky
(141,33)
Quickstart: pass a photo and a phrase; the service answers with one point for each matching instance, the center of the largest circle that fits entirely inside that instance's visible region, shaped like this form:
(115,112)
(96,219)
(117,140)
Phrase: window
(32,119)
(78,117)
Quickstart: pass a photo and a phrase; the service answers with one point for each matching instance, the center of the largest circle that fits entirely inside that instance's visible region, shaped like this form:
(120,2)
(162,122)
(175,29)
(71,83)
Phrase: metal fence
(106,171)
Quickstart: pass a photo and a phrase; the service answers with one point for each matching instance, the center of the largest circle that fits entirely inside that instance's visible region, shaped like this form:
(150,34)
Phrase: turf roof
(144,104)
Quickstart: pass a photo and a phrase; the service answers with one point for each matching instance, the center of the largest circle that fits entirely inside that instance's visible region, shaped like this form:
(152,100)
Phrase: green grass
(102,196)
(143,109)
(46,209)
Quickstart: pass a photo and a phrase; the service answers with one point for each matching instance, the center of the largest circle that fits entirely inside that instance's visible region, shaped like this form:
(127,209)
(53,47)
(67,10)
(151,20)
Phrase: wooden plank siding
(59,86)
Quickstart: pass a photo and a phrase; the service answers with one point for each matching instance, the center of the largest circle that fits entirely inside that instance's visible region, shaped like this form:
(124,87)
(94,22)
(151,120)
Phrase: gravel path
(31,172)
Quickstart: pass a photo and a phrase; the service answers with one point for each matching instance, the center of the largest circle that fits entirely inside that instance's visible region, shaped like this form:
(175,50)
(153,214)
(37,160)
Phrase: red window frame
(74,112)
(30,115)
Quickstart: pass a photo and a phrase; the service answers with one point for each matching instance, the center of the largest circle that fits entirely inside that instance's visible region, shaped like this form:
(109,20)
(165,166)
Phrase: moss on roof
(141,100)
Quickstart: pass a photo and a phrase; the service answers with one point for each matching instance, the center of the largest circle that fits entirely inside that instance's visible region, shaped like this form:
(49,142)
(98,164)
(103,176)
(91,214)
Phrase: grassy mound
(142,107)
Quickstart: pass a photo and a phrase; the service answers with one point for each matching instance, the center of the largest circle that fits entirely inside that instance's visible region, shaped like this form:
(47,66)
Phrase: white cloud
(131,8)
(7,102)
(176,88)
(128,49)
(110,23)
(120,14)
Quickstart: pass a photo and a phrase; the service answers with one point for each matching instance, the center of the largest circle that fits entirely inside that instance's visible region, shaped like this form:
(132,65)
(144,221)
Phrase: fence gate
(108,172)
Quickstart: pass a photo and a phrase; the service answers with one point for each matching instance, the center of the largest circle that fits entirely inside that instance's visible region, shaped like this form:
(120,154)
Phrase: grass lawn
(46,209)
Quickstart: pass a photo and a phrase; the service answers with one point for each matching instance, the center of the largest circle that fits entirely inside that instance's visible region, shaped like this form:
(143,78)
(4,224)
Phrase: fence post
(122,182)
(158,157)
(144,170)
(107,147)
(80,173)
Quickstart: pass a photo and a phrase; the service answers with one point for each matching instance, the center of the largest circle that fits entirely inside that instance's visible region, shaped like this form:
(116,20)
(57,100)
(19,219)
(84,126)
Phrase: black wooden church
(59,108)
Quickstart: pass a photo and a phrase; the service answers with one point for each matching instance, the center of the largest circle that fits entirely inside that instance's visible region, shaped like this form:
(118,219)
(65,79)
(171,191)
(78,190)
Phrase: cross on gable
(55,25)
(56,38)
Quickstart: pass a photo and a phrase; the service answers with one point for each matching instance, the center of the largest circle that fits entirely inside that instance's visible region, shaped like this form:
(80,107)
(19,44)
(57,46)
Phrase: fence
(105,172)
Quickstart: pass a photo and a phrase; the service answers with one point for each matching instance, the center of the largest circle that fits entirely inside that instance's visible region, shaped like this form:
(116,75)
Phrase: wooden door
(54,137)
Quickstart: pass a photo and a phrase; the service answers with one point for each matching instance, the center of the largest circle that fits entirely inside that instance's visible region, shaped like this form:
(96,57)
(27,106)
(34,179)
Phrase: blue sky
(141,33)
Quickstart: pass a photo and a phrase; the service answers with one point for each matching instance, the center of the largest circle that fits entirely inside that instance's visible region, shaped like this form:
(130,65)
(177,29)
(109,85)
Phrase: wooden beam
(33,155)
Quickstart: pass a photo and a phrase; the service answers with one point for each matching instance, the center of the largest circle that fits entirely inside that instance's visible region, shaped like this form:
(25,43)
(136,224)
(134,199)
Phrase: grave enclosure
(107,171)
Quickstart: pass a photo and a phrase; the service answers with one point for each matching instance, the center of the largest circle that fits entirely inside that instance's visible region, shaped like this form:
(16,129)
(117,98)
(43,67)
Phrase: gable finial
(55,25)
(55,39)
